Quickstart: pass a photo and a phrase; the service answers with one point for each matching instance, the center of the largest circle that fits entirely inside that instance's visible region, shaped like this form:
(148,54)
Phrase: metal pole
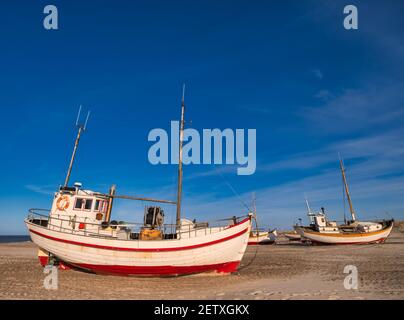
(110,202)
(309,212)
(179,193)
(76,144)
(137,198)
(255,213)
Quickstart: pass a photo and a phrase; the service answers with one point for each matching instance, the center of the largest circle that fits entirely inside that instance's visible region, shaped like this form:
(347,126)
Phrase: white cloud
(48,189)
(356,110)
(324,95)
(375,172)
(317,73)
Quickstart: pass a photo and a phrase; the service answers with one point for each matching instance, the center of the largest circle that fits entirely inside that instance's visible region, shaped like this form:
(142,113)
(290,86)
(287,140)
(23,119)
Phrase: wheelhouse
(72,205)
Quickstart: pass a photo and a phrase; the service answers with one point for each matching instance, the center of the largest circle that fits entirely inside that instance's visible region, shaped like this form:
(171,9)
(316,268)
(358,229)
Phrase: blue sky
(288,69)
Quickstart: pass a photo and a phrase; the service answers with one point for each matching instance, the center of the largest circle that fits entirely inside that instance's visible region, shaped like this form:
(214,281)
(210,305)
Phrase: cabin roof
(80,192)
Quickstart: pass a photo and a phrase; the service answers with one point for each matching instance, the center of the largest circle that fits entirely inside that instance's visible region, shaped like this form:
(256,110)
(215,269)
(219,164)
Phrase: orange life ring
(63,206)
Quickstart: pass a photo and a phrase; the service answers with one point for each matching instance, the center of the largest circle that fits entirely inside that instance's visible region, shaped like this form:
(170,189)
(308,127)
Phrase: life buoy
(63,203)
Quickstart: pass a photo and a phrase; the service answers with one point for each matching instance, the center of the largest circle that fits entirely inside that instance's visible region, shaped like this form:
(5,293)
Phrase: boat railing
(58,222)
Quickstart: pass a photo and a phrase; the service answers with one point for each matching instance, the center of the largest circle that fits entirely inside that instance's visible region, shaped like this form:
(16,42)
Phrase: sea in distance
(8,239)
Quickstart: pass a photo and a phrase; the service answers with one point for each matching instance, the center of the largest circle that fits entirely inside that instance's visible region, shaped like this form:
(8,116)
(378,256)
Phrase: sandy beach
(283,271)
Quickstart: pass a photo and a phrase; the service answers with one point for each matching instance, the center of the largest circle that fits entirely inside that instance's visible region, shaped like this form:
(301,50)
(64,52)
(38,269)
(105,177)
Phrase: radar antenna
(81,128)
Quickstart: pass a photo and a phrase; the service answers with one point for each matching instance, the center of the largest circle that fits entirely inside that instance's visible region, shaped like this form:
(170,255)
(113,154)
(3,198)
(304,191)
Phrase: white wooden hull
(292,236)
(262,238)
(220,251)
(344,238)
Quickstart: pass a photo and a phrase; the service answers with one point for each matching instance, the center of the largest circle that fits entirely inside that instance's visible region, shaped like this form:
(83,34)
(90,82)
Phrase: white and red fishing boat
(323,231)
(77,232)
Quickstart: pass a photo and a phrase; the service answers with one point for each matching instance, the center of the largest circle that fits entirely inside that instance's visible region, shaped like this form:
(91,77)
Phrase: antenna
(82,127)
(85,123)
(309,212)
(78,117)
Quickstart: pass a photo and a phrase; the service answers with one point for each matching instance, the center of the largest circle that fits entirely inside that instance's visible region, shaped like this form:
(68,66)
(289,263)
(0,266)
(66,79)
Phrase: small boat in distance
(77,232)
(262,237)
(292,236)
(257,235)
(323,231)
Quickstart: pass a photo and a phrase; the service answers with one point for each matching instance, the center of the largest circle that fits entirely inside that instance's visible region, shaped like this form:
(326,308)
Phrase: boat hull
(219,251)
(262,239)
(262,242)
(345,238)
(293,236)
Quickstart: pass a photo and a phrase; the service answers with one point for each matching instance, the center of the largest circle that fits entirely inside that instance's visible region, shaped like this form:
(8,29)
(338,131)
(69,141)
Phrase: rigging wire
(253,217)
(343,199)
(234,191)
(242,267)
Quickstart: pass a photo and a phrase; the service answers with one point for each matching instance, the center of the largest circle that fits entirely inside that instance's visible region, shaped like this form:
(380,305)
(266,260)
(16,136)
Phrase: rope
(256,250)
(233,190)
(343,199)
(249,210)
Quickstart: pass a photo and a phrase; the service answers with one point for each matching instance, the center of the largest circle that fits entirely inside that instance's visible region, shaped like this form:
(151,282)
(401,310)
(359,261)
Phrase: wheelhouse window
(88,205)
(79,203)
(83,204)
(98,205)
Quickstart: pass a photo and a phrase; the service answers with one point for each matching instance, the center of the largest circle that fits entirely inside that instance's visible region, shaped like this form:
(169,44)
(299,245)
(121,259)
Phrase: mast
(347,190)
(82,128)
(112,191)
(254,200)
(343,200)
(255,212)
(179,192)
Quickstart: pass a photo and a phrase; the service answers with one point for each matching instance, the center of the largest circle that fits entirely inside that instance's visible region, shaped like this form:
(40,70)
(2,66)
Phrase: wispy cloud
(382,148)
(213,170)
(317,73)
(375,171)
(257,109)
(354,109)
(324,95)
(282,205)
(47,189)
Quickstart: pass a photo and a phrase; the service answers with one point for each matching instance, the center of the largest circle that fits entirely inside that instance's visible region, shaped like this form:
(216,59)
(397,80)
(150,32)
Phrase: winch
(153,218)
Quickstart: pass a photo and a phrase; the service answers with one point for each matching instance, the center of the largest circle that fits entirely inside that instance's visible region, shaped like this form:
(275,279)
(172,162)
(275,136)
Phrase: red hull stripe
(141,249)
(226,267)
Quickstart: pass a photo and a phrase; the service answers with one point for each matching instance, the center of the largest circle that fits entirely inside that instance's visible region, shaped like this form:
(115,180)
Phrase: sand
(283,271)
